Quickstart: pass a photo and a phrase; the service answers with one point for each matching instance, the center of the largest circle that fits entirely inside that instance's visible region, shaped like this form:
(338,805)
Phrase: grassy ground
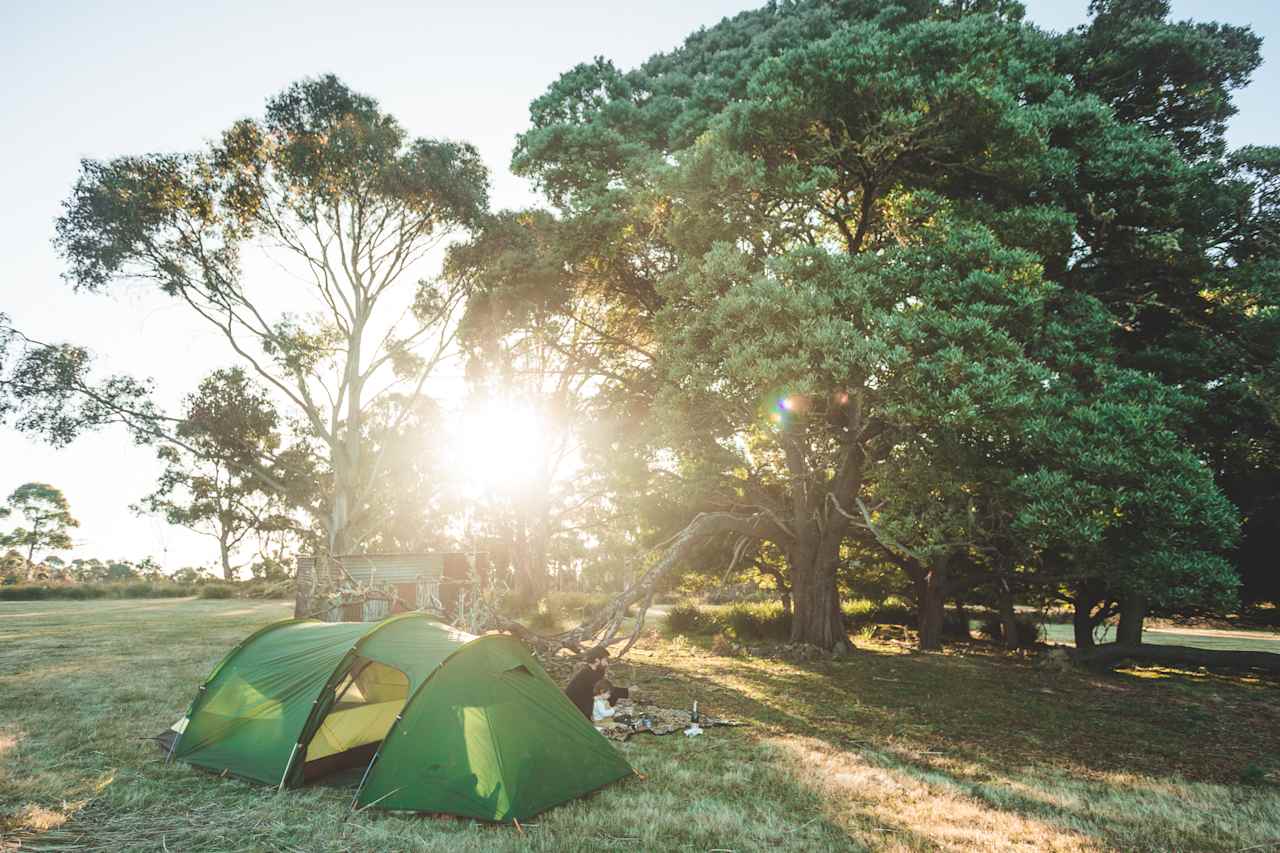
(1235,641)
(885,750)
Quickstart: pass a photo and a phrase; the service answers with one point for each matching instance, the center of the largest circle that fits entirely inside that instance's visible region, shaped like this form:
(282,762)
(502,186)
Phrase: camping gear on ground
(657,721)
(694,729)
(439,720)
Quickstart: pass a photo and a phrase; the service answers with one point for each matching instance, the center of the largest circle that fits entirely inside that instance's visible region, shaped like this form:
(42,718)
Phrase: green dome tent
(443,721)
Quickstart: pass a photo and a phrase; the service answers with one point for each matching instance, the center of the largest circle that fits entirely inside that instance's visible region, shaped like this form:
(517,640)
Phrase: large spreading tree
(854,240)
(347,203)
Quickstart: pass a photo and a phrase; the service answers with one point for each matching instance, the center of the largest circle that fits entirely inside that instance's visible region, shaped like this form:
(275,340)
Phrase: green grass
(884,750)
(1235,641)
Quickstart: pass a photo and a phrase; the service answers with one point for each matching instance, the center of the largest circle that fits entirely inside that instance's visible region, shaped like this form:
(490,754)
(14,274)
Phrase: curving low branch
(603,628)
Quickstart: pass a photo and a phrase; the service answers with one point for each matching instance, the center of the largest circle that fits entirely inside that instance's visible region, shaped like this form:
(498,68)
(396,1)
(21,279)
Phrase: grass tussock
(883,750)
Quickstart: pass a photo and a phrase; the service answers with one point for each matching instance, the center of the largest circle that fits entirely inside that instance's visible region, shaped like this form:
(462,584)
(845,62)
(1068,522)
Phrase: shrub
(722,646)
(1254,774)
(574,605)
(955,624)
(282,588)
(1028,628)
(544,620)
(865,612)
(757,622)
(150,589)
(688,618)
(216,590)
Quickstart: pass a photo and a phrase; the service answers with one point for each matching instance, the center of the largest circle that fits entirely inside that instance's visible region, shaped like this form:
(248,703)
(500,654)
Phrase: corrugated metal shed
(429,582)
(393,568)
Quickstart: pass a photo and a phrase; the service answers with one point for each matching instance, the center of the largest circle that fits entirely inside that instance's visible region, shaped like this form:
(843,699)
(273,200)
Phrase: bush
(955,625)
(575,605)
(865,612)
(688,618)
(544,621)
(1028,629)
(742,621)
(216,590)
(722,646)
(757,622)
(282,588)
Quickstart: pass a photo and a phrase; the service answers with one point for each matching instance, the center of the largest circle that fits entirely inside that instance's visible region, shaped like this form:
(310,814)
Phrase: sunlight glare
(502,447)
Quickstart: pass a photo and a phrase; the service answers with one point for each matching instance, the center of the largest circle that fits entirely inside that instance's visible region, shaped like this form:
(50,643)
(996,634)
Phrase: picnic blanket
(630,719)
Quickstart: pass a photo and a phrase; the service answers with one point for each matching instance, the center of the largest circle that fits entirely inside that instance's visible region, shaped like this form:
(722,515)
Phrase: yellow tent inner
(369,697)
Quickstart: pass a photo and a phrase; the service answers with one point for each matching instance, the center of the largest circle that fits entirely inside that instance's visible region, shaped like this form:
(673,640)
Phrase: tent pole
(360,787)
(287,765)
(173,746)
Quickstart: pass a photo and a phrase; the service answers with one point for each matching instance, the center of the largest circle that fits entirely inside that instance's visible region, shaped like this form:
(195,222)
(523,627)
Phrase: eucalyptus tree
(349,205)
(230,425)
(48,519)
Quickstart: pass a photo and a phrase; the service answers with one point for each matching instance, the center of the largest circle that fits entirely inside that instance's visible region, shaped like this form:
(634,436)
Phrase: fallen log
(1109,655)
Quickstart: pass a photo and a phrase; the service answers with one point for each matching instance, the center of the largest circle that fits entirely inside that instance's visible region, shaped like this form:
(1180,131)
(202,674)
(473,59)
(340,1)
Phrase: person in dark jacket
(582,687)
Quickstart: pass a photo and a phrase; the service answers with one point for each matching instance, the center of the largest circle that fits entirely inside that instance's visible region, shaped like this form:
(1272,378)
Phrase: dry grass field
(883,750)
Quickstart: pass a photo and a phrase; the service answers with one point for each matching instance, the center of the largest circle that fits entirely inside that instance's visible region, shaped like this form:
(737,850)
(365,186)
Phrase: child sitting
(602,709)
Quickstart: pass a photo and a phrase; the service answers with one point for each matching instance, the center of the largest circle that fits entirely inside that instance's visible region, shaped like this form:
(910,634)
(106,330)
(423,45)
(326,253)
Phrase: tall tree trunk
(224,553)
(524,590)
(1008,617)
(339,517)
(1133,610)
(31,552)
(1088,595)
(817,618)
(931,593)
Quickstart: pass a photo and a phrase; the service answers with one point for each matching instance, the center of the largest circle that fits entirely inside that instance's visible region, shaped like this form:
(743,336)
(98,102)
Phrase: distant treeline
(144,589)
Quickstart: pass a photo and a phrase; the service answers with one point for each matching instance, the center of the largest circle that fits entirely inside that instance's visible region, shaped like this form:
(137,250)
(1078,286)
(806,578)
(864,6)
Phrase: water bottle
(693,718)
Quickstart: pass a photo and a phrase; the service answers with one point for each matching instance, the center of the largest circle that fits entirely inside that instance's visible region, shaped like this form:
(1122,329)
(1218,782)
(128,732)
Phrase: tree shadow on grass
(1044,747)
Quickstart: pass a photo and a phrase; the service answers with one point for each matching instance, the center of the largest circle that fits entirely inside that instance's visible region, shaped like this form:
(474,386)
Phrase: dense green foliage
(926,282)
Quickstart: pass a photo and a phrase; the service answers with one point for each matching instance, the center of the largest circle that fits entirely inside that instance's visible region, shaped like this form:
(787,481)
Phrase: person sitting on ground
(602,709)
(581,688)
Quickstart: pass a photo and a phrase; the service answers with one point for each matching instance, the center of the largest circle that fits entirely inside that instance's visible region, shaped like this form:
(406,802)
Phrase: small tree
(208,488)
(49,517)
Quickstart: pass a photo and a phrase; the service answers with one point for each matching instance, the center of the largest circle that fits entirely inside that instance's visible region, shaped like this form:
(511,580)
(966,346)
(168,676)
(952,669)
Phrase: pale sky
(96,80)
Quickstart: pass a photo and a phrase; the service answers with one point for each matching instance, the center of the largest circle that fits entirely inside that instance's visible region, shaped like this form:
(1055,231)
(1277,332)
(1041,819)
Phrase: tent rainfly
(441,721)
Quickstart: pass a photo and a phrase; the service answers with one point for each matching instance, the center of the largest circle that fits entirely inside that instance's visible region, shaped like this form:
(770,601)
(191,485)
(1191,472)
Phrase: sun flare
(502,446)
